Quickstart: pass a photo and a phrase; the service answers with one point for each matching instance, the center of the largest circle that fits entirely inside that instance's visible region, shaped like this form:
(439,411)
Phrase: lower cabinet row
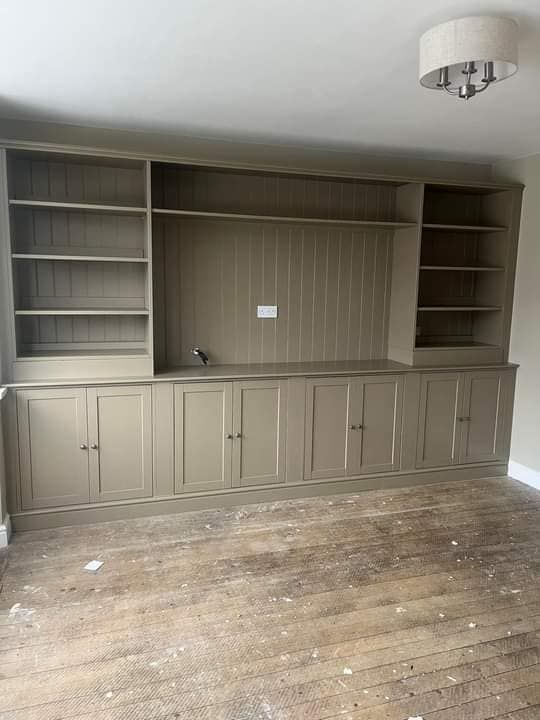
(80,445)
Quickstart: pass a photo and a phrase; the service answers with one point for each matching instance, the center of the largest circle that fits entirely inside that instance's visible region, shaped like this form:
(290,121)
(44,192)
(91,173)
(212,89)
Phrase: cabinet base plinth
(122,510)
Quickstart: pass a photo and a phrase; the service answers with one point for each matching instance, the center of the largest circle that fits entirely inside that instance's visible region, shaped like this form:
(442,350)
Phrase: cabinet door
(379,445)
(203,436)
(259,427)
(329,441)
(482,416)
(440,402)
(53,447)
(120,436)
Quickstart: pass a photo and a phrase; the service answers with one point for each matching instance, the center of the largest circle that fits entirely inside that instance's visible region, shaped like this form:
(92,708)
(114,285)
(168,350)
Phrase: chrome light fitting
(464,57)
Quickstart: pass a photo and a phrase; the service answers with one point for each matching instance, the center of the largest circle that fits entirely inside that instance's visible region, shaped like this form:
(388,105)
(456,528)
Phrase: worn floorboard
(385,605)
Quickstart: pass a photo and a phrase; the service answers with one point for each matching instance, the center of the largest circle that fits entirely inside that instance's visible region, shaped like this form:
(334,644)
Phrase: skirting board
(5,532)
(524,474)
(40,519)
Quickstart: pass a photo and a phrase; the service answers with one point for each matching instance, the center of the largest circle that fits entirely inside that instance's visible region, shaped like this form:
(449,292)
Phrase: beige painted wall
(525,338)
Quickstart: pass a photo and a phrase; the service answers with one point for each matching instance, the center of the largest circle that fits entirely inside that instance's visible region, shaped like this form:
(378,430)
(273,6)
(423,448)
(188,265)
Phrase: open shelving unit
(117,267)
(466,252)
(81,257)
(318,247)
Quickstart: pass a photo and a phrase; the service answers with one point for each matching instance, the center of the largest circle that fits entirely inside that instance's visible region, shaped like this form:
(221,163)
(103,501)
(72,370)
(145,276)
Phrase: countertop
(254,371)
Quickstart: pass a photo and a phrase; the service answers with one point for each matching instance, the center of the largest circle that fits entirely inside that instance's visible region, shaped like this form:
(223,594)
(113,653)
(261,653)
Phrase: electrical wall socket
(267,311)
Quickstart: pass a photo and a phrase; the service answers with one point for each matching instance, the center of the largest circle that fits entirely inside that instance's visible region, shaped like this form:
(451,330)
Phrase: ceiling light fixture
(464,57)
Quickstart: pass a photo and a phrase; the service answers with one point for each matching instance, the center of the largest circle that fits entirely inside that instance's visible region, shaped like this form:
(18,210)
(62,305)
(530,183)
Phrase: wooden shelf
(458,308)
(374,224)
(464,228)
(82,258)
(464,268)
(80,207)
(81,354)
(84,311)
(452,345)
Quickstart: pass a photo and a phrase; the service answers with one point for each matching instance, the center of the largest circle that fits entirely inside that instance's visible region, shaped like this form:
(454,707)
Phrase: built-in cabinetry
(464,417)
(109,445)
(117,267)
(388,292)
(453,282)
(353,426)
(80,255)
(229,434)
(82,445)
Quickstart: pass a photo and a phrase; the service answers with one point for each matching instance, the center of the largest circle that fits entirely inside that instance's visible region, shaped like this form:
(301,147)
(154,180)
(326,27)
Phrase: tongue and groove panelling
(331,287)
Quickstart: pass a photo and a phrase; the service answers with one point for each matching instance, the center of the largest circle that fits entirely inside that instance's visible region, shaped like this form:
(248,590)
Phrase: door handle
(83,446)
(94,446)
(228,436)
(237,435)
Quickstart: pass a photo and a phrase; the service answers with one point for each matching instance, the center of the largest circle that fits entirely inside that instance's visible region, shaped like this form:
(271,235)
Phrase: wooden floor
(386,605)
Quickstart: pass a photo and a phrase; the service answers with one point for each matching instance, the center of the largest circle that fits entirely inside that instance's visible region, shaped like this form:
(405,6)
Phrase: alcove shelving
(465,257)
(118,266)
(80,258)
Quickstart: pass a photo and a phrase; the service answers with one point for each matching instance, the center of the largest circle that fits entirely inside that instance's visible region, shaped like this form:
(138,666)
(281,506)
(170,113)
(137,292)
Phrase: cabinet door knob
(353,427)
(83,446)
(237,435)
(94,446)
(228,436)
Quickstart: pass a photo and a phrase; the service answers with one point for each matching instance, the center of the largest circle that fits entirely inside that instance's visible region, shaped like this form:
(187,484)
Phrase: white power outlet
(267,311)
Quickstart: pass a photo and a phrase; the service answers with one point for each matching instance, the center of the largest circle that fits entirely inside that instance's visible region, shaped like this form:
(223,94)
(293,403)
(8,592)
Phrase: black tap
(203,357)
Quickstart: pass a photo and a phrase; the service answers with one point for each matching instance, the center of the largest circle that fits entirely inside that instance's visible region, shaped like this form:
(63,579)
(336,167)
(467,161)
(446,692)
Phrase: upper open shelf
(447,227)
(184,191)
(79,182)
(244,217)
(80,258)
(462,268)
(80,207)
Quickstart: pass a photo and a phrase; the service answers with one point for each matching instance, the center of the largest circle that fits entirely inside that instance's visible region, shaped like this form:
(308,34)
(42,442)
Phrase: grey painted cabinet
(53,447)
(380,435)
(259,425)
(203,436)
(229,434)
(484,418)
(328,428)
(440,399)
(80,445)
(120,442)
(464,417)
(353,426)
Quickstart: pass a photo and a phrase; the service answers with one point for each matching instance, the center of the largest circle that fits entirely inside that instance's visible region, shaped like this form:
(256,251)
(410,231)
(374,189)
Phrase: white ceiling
(333,73)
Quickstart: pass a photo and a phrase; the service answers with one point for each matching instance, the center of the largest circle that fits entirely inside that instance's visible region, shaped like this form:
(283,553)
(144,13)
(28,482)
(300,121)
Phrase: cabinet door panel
(483,413)
(52,428)
(203,419)
(119,423)
(381,399)
(440,402)
(259,417)
(328,415)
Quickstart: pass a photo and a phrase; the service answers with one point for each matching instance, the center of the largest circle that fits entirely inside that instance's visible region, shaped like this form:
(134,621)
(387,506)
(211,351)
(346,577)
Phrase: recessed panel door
(53,447)
(482,416)
(120,442)
(203,436)
(329,441)
(380,432)
(259,430)
(440,404)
